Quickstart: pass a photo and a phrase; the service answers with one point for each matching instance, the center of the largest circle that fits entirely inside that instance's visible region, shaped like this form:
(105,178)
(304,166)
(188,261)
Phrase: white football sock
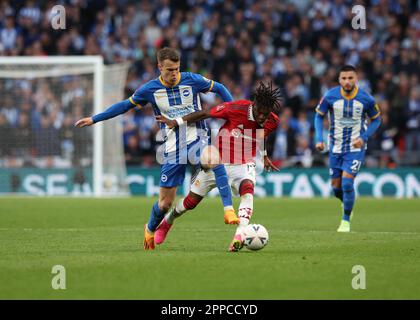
(245,211)
(176,212)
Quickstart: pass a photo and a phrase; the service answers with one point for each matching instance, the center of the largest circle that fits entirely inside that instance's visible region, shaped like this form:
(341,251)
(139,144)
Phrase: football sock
(175,212)
(222,183)
(156,217)
(245,211)
(246,206)
(172,215)
(183,205)
(348,197)
(338,193)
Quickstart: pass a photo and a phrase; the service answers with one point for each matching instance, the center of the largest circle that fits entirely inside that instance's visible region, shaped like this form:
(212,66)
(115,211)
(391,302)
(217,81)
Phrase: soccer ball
(255,236)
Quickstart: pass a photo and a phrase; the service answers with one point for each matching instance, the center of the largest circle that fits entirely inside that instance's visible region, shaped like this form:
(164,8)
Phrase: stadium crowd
(297,44)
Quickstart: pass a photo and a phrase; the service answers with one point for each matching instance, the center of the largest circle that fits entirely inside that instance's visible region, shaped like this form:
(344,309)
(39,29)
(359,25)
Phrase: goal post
(59,88)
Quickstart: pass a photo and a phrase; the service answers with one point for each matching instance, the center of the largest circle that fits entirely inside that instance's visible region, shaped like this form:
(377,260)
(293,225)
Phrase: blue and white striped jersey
(174,102)
(347,117)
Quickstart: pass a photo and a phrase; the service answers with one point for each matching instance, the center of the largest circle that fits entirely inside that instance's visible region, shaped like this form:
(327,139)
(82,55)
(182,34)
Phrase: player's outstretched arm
(189,118)
(222,91)
(113,111)
(268,165)
(84,122)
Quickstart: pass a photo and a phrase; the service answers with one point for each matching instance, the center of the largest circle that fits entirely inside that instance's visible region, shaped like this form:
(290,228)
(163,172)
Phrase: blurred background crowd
(299,45)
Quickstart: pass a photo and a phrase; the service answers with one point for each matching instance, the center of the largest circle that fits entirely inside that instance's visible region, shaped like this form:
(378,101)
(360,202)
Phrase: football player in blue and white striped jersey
(349,110)
(174,94)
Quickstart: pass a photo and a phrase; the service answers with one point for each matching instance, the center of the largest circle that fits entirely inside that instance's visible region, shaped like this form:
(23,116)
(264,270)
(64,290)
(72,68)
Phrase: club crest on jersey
(164,178)
(358,110)
(220,107)
(185,92)
(236,133)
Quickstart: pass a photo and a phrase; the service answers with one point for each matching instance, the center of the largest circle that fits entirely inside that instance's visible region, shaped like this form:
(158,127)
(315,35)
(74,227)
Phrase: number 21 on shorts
(355,167)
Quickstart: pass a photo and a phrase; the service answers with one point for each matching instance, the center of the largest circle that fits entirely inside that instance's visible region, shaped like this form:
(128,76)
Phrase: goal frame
(98,79)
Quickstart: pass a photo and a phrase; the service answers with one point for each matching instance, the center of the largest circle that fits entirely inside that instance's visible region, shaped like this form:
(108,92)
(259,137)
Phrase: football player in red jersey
(247,124)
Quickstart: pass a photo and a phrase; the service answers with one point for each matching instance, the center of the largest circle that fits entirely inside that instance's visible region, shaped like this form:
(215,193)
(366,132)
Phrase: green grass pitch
(99,242)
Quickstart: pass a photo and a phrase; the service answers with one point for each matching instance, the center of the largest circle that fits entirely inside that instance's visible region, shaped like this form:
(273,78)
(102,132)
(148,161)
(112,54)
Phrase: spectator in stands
(5,135)
(23,138)
(132,151)
(47,141)
(412,114)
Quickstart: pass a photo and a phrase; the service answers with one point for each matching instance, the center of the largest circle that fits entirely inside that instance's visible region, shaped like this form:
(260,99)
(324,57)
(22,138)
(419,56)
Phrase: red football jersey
(240,135)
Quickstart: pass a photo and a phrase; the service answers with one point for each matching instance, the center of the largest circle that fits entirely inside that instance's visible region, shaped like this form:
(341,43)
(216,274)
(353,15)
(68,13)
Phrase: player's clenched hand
(170,123)
(268,165)
(358,143)
(85,122)
(320,146)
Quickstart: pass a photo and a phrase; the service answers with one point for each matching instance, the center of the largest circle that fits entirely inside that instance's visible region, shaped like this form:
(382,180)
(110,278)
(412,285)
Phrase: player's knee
(347,184)
(246,187)
(164,205)
(209,157)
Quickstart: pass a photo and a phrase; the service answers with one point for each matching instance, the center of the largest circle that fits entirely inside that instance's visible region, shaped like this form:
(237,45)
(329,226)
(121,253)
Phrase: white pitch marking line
(208,230)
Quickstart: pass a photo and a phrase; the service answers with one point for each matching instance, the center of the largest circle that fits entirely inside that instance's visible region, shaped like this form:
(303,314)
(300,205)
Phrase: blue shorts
(172,175)
(349,162)
(172,171)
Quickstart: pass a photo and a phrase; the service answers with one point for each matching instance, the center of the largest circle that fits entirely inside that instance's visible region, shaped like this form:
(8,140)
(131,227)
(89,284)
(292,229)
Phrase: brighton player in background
(347,106)
(174,94)
(247,123)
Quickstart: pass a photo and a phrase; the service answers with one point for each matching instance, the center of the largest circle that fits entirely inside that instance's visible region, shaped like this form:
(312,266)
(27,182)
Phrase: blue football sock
(348,197)
(156,217)
(338,193)
(346,217)
(222,183)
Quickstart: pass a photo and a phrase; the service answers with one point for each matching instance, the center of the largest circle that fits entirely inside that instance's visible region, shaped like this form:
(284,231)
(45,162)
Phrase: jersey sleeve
(372,108)
(221,111)
(202,83)
(322,107)
(271,125)
(139,97)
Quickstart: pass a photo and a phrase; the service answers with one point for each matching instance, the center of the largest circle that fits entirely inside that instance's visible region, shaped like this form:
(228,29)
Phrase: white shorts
(205,181)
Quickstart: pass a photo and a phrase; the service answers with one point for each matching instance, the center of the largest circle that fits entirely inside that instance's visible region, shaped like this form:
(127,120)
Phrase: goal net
(41,152)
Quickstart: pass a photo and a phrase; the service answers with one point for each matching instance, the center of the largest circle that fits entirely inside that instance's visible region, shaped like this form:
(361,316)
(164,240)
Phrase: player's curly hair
(268,98)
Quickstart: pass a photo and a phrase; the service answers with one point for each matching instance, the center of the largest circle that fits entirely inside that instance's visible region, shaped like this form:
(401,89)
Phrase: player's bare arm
(84,122)
(169,123)
(192,117)
(268,165)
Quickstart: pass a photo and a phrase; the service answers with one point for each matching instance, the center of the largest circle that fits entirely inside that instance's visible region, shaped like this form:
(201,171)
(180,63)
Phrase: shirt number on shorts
(356,165)
(250,167)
